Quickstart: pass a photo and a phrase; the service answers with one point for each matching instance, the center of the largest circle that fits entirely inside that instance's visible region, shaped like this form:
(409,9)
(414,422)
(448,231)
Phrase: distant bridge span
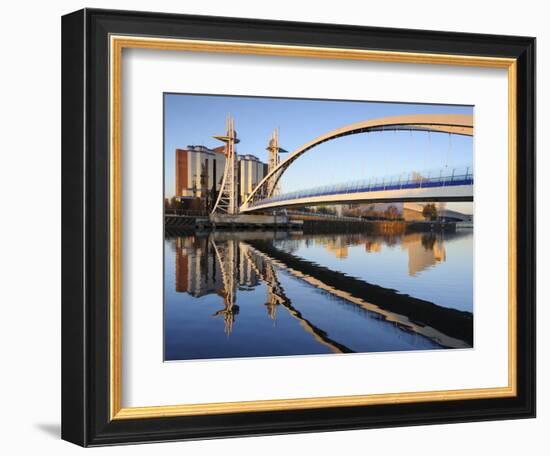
(458,124)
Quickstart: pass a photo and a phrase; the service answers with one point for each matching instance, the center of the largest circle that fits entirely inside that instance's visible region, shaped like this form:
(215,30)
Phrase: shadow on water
(451,322)
(277,296)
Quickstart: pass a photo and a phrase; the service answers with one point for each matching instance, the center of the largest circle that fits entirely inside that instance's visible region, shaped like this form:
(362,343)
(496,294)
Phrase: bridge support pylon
(274,150)
(227,201)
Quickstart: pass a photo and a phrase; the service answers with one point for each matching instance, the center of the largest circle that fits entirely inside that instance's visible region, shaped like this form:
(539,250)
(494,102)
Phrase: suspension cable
(425,162)
(449,150)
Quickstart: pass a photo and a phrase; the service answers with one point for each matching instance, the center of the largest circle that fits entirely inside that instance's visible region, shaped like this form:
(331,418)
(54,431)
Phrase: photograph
(279,223)
(298,226)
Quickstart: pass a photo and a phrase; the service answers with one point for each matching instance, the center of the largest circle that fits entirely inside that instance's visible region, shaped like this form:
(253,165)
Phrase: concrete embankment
(307,224)
(186,223)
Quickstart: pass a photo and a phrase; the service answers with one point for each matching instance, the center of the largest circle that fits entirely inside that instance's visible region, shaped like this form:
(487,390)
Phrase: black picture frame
(85,225)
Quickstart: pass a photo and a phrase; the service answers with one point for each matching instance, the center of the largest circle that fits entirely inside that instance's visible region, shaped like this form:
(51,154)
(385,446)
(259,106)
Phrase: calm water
(271,294)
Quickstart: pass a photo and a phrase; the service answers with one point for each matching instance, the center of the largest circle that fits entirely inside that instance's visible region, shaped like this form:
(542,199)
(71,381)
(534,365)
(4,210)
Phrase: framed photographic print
(278,227)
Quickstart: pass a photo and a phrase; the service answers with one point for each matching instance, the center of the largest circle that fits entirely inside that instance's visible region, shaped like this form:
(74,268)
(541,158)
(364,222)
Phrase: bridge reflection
(227,263)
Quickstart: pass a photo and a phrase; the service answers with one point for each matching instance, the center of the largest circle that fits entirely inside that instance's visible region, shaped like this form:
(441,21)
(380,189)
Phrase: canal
(251,294)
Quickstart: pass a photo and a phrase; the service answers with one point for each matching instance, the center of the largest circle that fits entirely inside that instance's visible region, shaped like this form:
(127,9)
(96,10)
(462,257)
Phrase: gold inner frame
(117,44)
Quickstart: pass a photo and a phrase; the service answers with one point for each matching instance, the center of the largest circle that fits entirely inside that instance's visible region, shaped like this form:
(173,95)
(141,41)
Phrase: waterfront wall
(308,226)
(181,223)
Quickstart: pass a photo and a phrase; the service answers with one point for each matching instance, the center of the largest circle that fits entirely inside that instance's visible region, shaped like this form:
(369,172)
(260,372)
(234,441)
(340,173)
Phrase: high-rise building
(199,171)
(199,174)
(251,172)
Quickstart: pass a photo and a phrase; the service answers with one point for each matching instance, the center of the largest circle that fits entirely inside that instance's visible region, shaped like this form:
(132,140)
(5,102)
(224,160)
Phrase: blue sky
(194,119)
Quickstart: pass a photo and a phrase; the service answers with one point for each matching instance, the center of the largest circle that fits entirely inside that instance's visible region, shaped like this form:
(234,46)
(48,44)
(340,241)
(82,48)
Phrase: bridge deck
(446,188)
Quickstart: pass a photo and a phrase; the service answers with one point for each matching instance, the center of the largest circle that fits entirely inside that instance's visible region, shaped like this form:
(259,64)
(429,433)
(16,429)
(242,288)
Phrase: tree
(428,241)
(326,210)
(430,212)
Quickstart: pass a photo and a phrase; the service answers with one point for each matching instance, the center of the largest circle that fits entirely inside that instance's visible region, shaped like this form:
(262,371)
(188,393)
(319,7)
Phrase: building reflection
(338,247)
(201,262)
(224,264)
(206,265)
(424,249)
(373,246)
(197,271)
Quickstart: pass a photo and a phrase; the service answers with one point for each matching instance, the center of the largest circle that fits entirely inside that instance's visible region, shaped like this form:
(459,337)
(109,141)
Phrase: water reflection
(310,303)
(424,249)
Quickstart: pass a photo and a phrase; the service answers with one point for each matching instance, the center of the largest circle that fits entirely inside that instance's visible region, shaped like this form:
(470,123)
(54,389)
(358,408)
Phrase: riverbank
(191,224)
(375,227)
(240,222)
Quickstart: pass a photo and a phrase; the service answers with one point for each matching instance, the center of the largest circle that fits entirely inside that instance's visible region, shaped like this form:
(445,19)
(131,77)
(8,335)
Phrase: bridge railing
(442,177)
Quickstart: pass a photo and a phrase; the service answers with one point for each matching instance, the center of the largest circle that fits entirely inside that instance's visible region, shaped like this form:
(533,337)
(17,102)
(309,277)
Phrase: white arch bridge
(442,185)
